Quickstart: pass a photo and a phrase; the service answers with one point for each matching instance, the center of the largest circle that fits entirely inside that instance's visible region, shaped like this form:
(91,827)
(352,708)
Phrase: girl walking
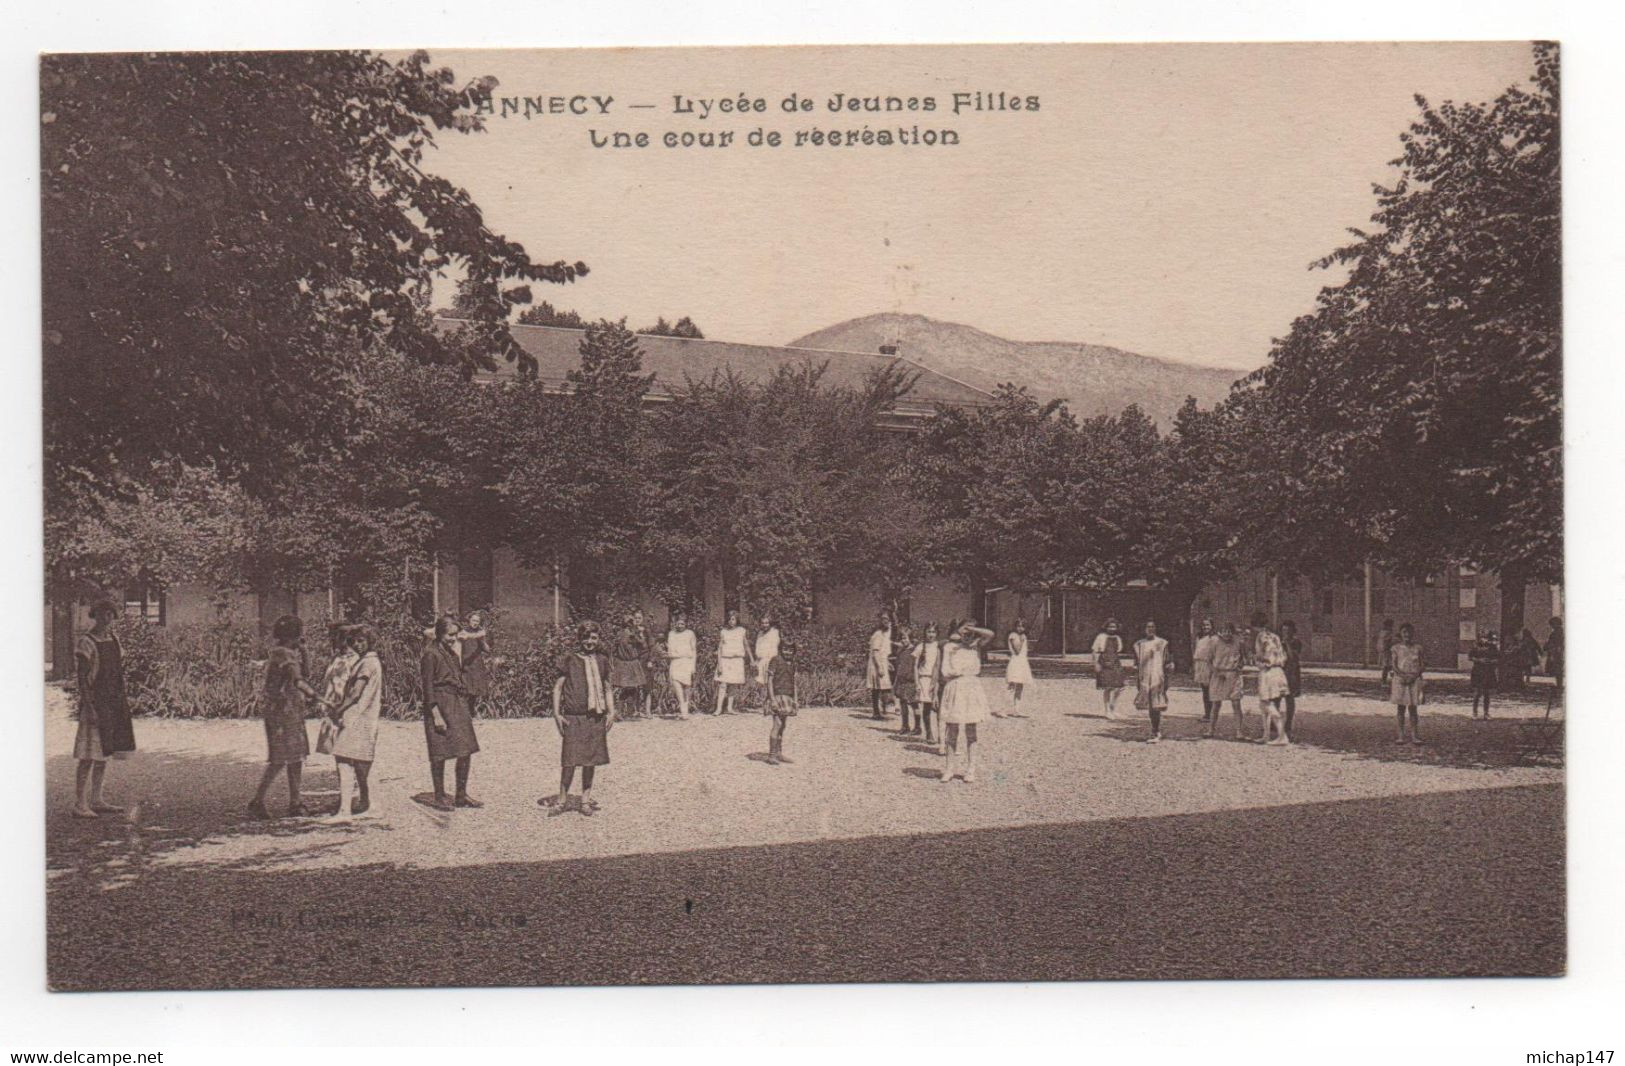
(682,651)
(964,704)
(732,656)
(927,679)
(1270,655)
(1486,658)
(1405,666)
(356,715)
(283,709)
(1151,678)
(783,698)
(584,712)
(105,730)
(877,672)
(1109,677)
(448,725)
(1018,673)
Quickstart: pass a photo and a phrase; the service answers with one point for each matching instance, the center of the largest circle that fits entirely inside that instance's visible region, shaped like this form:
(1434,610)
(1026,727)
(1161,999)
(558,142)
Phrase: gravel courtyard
(1081,853)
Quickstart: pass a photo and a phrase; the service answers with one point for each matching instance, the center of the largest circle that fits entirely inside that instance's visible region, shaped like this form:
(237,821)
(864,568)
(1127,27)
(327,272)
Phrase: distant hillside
(1092,378)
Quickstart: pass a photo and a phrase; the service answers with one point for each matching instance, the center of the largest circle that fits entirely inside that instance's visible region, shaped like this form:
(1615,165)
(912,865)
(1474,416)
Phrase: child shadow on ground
(923,772)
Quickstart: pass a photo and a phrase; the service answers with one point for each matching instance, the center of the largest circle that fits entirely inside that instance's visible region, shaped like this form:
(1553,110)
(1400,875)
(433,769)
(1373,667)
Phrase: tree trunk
(1513,579)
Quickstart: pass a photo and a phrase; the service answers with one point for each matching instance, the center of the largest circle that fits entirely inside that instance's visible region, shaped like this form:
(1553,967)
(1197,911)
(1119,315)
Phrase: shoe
(588,809)
(257,809)
(465,800)
(437,803)
(84,814)
(361,807)
(1154,738)
(298,810)
(107,808)
(1417,741)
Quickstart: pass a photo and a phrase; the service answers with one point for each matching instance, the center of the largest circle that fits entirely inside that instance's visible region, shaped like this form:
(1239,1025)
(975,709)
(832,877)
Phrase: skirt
(358,735)
(783,706)
(586,740)
(1406,693)
(877,677)
(87,744)
(1202,672)
(1294,679)
(1226,685)
(926,688)
(1483,676)
(627,673)
(458,740)
(1110,673)
(906,690)
(285,736)
(681,671)
(963,701)
(731,670)
(1018,672)
(1272,683)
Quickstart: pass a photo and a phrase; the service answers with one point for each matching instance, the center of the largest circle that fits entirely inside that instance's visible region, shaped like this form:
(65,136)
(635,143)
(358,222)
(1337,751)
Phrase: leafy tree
(545,314)
(1415,415)
(216,226)
(683,327)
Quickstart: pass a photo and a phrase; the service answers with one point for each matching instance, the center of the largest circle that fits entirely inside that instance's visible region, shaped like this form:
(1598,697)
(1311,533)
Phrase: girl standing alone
(1108,649)
(682,651)
(1405,665)
(105,731)
(1018,673)
(783,698)
(448,726)
(964,704)
(584,712)
(732,656)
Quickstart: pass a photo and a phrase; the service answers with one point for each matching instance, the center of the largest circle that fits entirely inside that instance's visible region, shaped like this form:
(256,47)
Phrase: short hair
(101,607)
(1290,624)
(1408,626)
(364,632)
(586,629)
(287,629)
(1260,619)
(787,647)
(443,624)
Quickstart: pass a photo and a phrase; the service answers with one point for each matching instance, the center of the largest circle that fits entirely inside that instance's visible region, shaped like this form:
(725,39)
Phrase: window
(145,601)
(1469,629)
(1469,599)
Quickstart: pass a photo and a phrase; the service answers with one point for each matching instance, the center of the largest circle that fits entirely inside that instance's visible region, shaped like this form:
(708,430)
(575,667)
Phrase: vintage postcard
(802,514)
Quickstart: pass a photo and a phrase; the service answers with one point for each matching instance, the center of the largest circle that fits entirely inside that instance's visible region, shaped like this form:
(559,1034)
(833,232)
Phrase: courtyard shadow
(1482,870)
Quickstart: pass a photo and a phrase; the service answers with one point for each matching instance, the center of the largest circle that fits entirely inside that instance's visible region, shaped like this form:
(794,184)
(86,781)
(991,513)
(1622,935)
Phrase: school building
(1338,622)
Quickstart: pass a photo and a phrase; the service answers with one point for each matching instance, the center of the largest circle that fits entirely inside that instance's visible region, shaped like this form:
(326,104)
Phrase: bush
(218,670)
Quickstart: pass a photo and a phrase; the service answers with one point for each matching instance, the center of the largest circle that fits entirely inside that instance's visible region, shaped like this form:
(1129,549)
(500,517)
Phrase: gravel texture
(1081,852)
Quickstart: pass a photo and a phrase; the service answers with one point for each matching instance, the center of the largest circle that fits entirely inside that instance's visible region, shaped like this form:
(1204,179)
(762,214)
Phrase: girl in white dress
(682,650)
(1151,677)
(877,671)
(732,657)
(964,704)
(767,646)
(356,713)
(1270,655)
(1018,674)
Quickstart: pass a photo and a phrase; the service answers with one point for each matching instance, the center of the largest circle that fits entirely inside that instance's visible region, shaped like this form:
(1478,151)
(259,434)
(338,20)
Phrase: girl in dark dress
(584,713)
(783,697)
(448,726)
(1293,646)
(104,730)
(473,647)
(905,690)
(1486,659)
(284,708)
(628,675)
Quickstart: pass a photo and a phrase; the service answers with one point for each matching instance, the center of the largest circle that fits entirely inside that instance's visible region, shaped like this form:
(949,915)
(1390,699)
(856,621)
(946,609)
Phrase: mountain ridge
(1093,379)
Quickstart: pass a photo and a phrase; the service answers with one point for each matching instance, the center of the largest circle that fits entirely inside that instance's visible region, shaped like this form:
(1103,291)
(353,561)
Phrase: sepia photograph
(802,514)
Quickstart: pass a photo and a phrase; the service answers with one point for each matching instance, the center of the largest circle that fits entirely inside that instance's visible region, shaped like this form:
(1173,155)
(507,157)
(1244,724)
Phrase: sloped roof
(674,361)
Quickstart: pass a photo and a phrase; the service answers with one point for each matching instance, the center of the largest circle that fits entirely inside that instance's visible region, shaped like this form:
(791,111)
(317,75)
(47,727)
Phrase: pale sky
(1164,199)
